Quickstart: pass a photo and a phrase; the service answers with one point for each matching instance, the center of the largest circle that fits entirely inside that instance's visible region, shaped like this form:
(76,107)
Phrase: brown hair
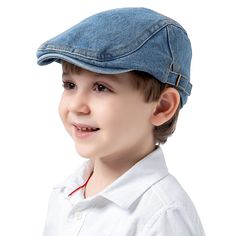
(151,89)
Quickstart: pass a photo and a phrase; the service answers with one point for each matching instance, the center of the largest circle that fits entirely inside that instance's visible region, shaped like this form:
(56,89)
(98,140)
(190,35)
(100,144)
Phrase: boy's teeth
(87,129)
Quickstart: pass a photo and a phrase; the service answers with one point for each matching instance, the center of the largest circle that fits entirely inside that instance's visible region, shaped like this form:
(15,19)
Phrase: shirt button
(78,215)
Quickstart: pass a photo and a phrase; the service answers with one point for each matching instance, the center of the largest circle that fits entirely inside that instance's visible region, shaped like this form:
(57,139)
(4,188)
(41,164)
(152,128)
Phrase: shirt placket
(74,224)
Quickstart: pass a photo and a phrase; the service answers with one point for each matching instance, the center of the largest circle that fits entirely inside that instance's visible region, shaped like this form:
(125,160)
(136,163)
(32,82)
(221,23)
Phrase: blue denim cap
(123,40)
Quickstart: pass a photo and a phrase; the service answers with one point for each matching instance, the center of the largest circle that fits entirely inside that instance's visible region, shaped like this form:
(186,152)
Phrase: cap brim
(54,57)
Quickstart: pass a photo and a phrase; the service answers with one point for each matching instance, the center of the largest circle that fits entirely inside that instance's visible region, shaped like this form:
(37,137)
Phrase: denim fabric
(126,39)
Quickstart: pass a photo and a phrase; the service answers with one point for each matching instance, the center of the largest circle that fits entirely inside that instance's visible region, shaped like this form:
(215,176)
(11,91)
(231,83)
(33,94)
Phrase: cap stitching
(142,39)
(169,45)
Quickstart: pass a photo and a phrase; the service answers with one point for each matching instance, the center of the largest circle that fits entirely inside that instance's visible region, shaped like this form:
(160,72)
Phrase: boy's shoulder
(170,210)
(170,193)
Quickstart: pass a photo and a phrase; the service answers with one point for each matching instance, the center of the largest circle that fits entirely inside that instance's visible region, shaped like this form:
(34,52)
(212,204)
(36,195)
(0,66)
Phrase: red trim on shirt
(84,185)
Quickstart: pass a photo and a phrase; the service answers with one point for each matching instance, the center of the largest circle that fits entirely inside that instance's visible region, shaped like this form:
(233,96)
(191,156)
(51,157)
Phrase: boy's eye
(100,88)
(68,85)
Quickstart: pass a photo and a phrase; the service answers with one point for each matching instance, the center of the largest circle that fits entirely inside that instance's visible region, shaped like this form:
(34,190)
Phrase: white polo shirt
(144,201)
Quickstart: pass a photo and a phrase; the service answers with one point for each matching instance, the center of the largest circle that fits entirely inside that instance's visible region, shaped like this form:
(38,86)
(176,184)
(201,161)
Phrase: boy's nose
(79,104)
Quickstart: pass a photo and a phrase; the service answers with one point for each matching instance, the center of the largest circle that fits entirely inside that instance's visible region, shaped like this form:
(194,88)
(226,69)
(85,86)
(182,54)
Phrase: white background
(35,151)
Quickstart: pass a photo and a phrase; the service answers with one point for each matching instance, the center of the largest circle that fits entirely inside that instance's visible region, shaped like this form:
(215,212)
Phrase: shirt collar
(131,185)
(127,188)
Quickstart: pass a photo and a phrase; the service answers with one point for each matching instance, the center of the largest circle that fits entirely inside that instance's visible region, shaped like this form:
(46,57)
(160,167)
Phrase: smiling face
(110,104)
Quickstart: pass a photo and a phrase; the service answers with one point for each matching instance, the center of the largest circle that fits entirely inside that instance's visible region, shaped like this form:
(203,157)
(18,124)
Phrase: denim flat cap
(126,39)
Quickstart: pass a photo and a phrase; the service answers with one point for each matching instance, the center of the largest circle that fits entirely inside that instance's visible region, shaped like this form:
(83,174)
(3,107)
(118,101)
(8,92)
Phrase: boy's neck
(106,172)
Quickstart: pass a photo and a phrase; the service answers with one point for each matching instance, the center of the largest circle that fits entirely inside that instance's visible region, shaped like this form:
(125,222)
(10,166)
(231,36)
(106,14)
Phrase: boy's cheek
(60,108)
(63,116)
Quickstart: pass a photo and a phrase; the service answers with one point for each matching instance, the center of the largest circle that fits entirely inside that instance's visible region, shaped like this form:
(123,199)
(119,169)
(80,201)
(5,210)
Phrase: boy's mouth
(85,128)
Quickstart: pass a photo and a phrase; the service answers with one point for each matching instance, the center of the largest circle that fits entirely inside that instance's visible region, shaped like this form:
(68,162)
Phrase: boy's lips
(83,131)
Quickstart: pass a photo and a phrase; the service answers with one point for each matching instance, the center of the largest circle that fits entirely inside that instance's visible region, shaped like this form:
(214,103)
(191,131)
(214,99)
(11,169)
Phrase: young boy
(125,77)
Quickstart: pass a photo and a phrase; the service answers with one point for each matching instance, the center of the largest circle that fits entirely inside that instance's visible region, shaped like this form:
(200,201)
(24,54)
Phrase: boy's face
(110,103)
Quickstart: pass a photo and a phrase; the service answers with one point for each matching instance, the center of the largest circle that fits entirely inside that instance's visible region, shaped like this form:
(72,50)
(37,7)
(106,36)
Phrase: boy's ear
(165,107)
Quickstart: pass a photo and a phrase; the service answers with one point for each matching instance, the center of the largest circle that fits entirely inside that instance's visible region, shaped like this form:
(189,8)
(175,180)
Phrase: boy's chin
(82,154)
(87,154)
